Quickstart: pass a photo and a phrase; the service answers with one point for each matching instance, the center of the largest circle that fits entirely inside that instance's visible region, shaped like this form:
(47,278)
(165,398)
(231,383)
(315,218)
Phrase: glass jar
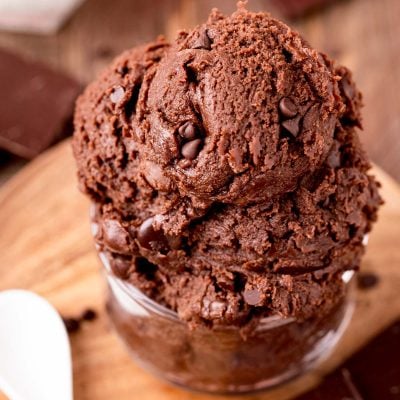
(221,360)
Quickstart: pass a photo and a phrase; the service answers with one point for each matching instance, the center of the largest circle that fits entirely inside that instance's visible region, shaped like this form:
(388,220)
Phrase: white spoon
(35,356)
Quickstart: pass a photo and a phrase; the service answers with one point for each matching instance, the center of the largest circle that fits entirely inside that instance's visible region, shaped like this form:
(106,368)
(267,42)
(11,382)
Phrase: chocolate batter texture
(227,173)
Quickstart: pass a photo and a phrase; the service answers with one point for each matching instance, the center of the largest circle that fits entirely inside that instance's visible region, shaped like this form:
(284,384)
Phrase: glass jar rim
(145,301)
(137,295)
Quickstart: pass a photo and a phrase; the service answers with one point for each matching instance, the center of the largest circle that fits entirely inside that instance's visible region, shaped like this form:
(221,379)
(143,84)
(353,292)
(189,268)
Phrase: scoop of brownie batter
(226,170)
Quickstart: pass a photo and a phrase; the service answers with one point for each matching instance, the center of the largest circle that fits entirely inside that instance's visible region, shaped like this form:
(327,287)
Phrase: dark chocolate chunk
(373,373)
(191,149)
(292,125)
(117,94)
(71,324)
(252,296)
(89,315)
(188,130)
(287,107)
(37,105)
(203,41)
(147,235)
(115,236)
(367,280)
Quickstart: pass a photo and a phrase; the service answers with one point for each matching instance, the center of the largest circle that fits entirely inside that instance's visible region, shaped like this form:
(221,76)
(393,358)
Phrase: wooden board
(45,246)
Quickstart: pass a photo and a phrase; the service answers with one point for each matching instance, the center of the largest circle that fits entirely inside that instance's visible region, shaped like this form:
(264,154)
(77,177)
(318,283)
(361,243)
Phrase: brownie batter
(227,173)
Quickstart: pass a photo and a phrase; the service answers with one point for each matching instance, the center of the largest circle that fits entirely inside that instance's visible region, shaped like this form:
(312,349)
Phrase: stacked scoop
(226,171)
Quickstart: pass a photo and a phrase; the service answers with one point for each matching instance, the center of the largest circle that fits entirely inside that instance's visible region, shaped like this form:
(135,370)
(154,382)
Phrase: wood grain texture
(45,246)
(362,34)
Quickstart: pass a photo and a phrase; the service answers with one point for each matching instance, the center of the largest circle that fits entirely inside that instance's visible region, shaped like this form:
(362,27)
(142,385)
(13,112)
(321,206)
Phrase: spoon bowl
(35,356)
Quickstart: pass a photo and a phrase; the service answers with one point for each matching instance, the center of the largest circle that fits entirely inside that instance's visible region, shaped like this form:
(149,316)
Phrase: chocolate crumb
(72,325)
(367,280)
(89,315)
(203,41)
(395,390)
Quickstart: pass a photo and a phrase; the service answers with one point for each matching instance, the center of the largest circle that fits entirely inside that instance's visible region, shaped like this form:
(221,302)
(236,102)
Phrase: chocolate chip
(120,267)
(188,130)
(89,315)
(191,149)
(292,125)
(154,175)
(71,324)
(347,88)
(252,296)
(203,41)
(148,236)
(115,236)
(117,94)
(367,280)
(287,107)
(333,159)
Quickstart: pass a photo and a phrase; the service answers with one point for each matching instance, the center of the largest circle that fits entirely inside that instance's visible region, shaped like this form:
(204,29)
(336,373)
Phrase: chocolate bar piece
(36,105)
(297,8)
(373,373)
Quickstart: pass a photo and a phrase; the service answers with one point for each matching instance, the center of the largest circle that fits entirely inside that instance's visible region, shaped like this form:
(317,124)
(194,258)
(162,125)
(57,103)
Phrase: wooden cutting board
(45,246)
